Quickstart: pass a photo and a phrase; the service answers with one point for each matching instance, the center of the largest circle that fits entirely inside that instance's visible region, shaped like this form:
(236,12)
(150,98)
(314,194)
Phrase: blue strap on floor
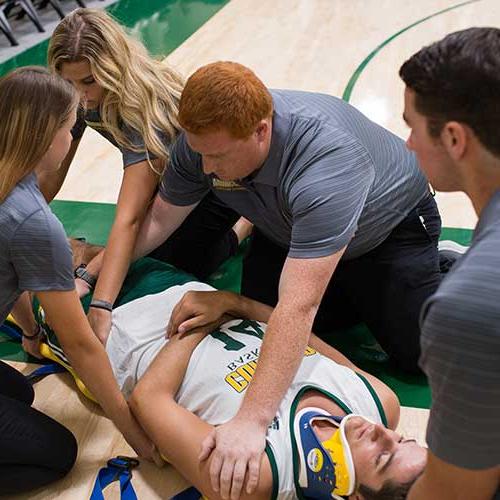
(189,494)
(117,469)
(43,371)
(11,332)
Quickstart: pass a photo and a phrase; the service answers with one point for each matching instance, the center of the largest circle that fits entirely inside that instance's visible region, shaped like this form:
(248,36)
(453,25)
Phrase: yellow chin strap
(340,453)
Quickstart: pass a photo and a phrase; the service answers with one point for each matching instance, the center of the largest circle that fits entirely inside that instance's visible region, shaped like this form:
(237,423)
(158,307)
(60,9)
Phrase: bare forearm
(86,354)
(242,307)
(111,265)
(281,353)
(175,355)
(92,365)
(23,313)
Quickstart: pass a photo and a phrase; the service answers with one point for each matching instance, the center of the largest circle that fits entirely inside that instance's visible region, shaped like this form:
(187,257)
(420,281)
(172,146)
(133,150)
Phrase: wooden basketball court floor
(349,48)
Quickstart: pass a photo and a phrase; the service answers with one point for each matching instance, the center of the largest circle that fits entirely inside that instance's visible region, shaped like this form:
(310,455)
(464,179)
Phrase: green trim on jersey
(375,397)
(293,410)
(274,471)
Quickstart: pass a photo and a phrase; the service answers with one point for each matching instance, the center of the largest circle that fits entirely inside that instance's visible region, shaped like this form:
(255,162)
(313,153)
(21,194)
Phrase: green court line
(355,76)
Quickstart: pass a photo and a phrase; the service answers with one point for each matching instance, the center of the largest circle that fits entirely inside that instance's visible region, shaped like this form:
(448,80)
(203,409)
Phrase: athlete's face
(80,76)
(380,454)
(229,158)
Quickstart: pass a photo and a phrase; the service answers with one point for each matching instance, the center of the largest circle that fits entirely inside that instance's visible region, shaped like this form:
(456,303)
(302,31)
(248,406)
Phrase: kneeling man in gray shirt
(452,105)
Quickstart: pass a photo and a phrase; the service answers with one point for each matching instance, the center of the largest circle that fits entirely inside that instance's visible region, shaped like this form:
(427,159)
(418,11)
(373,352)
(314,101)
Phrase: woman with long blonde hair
(132,100)
(38,111)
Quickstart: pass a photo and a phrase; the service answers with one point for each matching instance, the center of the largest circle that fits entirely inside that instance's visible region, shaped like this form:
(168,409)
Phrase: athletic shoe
(449,253)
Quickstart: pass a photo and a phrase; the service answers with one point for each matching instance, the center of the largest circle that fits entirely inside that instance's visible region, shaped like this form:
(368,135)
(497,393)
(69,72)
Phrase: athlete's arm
(50,182)
(444,481)
(87,355)
(198,308)
(177,432)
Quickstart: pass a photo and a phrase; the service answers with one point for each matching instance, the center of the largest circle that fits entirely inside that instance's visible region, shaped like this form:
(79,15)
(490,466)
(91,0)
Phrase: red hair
(224,95)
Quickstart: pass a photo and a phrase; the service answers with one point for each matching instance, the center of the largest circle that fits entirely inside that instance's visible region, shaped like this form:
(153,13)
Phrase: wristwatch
(82,273)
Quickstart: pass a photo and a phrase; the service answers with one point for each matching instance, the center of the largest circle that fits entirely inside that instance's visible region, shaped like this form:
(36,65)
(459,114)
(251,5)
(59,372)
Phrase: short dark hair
(390,491)
(458,78)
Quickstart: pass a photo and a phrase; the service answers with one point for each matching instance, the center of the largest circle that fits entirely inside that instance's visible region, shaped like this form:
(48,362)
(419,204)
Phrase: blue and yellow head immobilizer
(326,467)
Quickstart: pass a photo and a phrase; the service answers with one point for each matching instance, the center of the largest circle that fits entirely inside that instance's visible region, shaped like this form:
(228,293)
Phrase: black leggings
(203,241)
(34,449)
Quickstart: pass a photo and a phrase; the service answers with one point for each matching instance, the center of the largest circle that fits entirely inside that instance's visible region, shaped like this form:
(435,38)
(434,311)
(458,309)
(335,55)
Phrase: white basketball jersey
(220,370)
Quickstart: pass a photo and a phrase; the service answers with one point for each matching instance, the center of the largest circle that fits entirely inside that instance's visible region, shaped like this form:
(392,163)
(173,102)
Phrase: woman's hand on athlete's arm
(65,315)
(137,189)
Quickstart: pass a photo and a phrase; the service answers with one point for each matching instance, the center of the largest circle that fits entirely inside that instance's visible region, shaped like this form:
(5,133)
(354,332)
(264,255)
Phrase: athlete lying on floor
(196,381)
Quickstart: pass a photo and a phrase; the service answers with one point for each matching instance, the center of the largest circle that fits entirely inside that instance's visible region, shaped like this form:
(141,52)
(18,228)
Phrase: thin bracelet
(35,335)
(102,304)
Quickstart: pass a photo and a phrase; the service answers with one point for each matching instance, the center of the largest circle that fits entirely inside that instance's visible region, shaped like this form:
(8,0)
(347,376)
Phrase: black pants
(385,288)
(34,449)
(204,240)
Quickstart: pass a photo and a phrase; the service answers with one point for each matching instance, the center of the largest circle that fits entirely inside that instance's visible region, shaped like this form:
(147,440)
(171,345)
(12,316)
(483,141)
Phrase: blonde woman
(38,111)
(132,100)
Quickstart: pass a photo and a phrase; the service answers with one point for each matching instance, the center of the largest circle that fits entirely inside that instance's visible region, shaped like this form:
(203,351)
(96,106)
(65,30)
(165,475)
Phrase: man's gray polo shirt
(332,178)
(461,352)
(34,251)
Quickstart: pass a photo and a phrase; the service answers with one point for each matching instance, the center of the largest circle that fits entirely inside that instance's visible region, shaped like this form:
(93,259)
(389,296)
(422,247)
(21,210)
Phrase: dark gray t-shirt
(34,252)
(92,119)
(461,352)
(332,178)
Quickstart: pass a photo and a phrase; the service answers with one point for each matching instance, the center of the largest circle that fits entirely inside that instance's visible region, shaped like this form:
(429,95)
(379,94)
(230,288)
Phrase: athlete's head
(360,460)
(38,110)
(452,103)
(226,112)
(114,73)
(386,464)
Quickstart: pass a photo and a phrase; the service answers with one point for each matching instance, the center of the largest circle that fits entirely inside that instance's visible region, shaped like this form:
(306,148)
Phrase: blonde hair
(140,92)
(34,105)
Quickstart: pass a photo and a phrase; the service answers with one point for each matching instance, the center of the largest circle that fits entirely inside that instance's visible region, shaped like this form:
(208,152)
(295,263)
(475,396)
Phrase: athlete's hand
(235,448)
(198,309)
(140,442)
(100,321)
(82,287)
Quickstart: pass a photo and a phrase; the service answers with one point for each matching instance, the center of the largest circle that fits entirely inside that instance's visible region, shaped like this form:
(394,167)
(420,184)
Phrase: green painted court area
(93,222)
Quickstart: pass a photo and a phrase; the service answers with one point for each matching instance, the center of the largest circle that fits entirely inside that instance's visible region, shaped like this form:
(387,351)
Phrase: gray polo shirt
(92,118)
(461,352)
(34,251)
(332,178)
